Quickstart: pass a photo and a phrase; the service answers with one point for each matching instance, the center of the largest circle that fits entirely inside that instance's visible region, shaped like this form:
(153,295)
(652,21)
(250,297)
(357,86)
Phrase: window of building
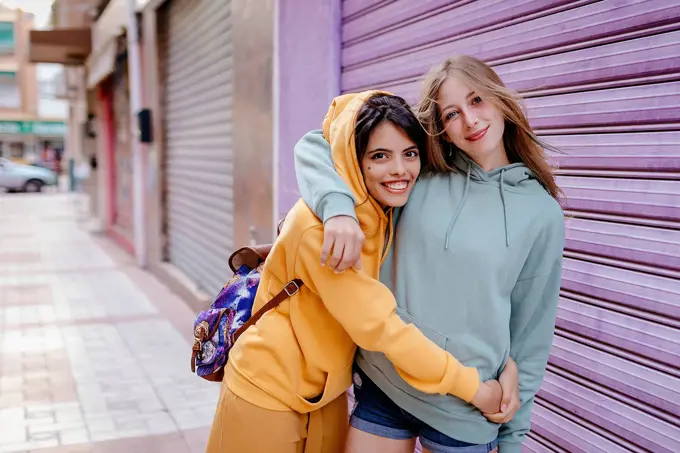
(10,95)
(6,38)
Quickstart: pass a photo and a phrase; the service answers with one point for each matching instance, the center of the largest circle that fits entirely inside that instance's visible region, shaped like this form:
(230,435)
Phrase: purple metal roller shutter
(601,81)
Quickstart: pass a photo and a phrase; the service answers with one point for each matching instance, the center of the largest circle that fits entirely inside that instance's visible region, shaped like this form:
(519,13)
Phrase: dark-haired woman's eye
(412,154)
(377,156)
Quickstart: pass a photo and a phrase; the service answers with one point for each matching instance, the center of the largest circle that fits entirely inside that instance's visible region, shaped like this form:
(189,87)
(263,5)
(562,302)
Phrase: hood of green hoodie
(514,177)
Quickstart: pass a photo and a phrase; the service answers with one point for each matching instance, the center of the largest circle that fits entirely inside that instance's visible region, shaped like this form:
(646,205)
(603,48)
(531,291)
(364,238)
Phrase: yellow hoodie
(299,355)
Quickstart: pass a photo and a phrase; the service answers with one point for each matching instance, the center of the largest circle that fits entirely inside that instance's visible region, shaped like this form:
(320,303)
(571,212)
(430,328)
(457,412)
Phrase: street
(94,352)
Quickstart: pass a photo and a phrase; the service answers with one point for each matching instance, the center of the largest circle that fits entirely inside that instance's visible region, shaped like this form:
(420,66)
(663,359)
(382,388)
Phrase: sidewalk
(94,353)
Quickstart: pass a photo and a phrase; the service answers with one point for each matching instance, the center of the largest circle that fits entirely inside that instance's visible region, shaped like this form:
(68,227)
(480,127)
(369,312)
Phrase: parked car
(25,178)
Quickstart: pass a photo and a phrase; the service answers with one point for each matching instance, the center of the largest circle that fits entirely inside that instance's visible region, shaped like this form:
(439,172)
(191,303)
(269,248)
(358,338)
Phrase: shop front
(108,81)
(33,142)
(121,158)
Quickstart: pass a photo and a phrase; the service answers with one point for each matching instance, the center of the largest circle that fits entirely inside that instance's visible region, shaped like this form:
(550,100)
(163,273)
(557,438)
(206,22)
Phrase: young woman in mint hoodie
(475,265)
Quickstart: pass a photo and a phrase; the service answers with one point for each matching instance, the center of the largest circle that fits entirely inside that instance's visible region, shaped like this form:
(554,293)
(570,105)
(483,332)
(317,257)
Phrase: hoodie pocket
(437,337)
(337,383)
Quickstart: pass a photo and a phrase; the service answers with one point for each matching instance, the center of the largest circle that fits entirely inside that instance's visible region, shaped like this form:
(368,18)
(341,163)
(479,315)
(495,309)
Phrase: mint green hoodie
(475,265)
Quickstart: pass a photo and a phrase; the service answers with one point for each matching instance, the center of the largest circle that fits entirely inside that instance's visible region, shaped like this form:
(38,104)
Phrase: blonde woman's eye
(451,115)
(476,100)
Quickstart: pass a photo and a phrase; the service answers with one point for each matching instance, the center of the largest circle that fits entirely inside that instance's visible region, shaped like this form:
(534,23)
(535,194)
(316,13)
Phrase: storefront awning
(101,63)
(67,46)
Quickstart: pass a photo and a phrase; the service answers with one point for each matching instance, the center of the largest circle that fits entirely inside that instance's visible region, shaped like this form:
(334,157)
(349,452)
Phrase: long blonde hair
(521,144)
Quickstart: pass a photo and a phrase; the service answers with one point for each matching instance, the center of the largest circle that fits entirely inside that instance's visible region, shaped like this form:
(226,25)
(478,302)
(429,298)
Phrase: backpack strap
(291,288)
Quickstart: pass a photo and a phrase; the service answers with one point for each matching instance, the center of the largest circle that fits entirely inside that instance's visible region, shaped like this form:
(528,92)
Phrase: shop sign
(47,128)
(10,127)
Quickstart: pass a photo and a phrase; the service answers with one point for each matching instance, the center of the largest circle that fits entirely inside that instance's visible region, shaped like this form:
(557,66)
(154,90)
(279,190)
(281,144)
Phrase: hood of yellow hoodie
(338,130)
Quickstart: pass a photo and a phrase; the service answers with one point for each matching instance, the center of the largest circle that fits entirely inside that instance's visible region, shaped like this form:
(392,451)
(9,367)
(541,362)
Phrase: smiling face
(390,165)
(472,123)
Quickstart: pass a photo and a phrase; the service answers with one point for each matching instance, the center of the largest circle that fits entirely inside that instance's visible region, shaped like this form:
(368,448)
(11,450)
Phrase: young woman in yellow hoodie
(285,381)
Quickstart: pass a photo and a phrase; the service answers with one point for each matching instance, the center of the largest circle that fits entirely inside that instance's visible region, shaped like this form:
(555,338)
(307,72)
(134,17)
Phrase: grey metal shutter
(198,160)
(601,81)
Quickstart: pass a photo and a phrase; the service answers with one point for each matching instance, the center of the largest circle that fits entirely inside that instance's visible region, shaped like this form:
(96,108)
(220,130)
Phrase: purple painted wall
(308,64)
(600,81)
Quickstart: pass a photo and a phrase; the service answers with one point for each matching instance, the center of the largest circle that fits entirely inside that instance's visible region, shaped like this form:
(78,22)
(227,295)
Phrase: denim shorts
(376,414)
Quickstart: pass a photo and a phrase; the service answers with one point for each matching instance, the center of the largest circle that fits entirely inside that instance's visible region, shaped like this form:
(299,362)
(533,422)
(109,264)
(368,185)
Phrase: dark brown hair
(388,107)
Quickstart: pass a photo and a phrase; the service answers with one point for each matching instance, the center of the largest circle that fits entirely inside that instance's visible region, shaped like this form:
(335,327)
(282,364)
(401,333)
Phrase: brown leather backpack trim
(250,256)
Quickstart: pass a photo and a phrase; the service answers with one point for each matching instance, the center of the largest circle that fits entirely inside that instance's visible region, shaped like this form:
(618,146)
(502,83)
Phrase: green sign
(10,127)
(49,128)
(42,128)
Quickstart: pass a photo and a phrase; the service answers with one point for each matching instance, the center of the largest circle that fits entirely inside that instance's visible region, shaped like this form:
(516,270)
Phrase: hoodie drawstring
(460,208)
(505,210)
(462,202)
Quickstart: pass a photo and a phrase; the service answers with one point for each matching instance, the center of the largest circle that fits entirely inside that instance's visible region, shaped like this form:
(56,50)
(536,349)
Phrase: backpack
(217,328)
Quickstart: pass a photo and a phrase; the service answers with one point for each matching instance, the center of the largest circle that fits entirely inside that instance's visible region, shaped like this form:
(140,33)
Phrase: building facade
(27,134)
(89,39)
(209,69)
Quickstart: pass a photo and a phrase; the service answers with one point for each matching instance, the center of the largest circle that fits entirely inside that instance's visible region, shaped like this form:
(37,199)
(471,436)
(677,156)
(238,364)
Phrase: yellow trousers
(241,427)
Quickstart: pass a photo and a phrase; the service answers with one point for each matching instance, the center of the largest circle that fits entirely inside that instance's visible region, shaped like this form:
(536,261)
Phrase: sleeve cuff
(336,204)
(466,383)
(509,447)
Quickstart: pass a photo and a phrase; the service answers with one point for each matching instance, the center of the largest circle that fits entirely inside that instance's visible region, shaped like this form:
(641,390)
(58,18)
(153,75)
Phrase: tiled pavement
(94,353)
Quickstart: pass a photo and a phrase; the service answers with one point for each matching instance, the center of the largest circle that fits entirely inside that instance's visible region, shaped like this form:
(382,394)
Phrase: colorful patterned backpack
(217,328)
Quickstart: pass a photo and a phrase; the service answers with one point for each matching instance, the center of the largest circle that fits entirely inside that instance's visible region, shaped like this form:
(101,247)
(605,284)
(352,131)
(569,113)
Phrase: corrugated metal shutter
(198,164)
(601,81)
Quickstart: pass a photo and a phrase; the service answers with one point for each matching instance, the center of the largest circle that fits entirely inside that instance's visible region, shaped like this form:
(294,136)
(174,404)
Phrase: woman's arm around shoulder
(366,309)
(321,187)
